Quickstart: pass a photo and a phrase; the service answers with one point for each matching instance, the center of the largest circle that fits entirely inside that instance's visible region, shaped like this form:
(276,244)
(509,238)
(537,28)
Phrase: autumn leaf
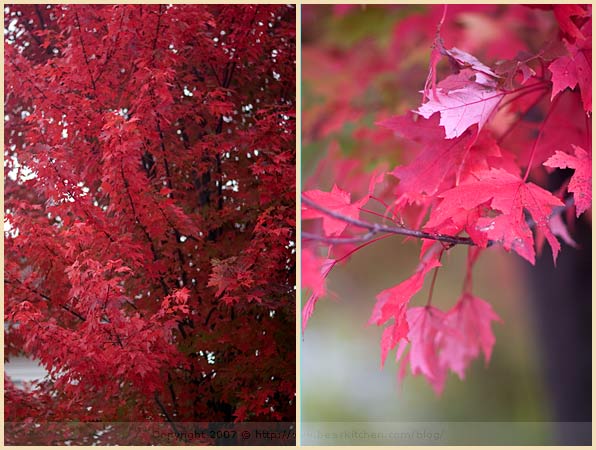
(427,326)
(337,200)
(438,160)
(471,317)
(463,100)
(509,197)
(314,273)
(392,304)
(575,68)
(581,181)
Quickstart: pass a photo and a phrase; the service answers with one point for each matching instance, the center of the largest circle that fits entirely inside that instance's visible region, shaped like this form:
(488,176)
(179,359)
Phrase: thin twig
(540,133)
(46,298)
(84,51)
(339,240)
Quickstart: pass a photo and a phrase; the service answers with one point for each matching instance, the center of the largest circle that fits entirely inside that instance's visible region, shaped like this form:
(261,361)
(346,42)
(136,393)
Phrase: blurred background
(361,64)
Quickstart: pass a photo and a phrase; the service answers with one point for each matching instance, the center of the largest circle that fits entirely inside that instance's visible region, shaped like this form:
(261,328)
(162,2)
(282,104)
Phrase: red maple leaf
(509,196)
(472,317)
(337,200)
(575,68)
(427,327)
(466,99)
(437,159)
(314,273)
(392,303)
(581,181)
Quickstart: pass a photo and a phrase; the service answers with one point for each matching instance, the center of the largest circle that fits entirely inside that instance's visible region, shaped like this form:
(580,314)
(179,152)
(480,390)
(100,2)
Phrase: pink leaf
(581,181)
(337,200)
(472,317)
(510,196)
(575,68)
(314,273)
(426,327)
(463,103)
(392,304)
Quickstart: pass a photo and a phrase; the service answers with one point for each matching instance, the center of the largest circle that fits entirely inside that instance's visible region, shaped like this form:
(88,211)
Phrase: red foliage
(483,130)
(150,200)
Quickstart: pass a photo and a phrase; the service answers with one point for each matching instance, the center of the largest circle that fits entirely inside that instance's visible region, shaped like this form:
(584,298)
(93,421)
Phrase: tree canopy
(149,216)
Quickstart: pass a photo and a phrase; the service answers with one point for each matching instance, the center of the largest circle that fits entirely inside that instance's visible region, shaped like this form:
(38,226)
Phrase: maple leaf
(314,273)
(581,181)
(465,60)
(575,68)
(459,60)
(471,317)
(392,303)
(231,277)
(427,326)
(463,100)
(508,195)
(564,13)
(439,160)
(337,200)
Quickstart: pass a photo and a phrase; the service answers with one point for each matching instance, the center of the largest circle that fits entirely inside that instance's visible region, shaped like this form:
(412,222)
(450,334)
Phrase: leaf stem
(517,122)
(540,132)
(432,283)
(374,213)
(351,252)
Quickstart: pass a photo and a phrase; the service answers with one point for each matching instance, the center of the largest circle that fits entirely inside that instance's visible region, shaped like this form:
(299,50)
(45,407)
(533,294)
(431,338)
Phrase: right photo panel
(446,213)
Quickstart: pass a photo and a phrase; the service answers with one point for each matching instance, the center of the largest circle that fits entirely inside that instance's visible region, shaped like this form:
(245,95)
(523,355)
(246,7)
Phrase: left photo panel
(149,224)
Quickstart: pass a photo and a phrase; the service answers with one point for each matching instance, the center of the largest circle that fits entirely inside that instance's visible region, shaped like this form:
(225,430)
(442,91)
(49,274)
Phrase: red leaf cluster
(150,213)
(469,165)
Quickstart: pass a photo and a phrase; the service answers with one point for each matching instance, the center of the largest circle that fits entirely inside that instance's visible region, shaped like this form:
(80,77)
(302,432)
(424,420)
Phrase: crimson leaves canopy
(150,214)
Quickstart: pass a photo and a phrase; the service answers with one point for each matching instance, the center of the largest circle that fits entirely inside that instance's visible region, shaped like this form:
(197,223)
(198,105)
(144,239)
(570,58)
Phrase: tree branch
(154,46)
(375,228)
(111,52)
(42,22)
(145,231)
(84,51)
(46,298)
(168,417)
